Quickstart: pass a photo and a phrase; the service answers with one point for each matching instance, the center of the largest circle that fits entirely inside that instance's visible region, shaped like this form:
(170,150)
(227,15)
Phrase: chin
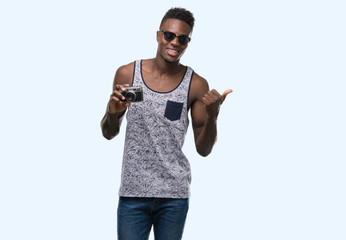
(171,60)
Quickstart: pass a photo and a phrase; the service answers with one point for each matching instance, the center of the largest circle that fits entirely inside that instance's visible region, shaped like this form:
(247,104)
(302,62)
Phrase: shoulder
(198,81)
(124,74)
(199,87)
(125,70)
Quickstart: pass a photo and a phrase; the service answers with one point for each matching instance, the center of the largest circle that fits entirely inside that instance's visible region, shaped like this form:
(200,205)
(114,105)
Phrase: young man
(156,178)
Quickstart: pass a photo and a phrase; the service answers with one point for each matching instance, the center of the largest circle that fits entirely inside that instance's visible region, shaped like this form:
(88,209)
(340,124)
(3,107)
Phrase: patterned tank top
(153,162)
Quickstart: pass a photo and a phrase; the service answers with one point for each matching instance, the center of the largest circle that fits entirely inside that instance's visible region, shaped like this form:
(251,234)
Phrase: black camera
(133,94)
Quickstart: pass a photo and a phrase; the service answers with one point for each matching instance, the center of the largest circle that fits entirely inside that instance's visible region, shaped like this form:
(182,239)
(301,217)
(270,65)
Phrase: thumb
(225,93)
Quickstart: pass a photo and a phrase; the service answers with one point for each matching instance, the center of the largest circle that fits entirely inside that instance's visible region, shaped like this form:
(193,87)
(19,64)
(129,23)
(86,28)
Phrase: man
(156,178)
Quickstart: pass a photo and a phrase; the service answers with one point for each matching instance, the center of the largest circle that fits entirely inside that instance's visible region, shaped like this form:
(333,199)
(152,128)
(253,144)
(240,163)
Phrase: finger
(208,99)
(115,98)
(205,101)
(213,95)
(117,95)
(122,87)
(215,92)
(118,101)
(225,93)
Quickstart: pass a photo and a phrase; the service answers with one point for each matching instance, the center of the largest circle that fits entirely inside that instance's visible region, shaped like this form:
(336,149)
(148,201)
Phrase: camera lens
(130,97)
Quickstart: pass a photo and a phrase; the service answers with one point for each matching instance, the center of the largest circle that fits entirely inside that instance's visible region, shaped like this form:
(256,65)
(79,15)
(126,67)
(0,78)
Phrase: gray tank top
(153,162)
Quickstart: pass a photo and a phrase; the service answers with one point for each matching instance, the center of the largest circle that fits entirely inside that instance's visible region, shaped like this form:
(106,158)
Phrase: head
(174,34)
(180,14)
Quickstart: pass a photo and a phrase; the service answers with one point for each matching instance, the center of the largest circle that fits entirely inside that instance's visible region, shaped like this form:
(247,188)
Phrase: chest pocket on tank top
(173,110)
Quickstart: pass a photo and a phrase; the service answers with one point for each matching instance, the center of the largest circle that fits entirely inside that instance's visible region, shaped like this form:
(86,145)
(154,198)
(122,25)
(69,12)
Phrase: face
(172,51)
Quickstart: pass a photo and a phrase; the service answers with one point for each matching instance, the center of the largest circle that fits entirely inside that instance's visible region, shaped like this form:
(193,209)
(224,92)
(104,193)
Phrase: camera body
(133,94)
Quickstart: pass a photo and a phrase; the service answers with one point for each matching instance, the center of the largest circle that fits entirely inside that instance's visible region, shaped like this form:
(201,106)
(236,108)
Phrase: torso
(154,164)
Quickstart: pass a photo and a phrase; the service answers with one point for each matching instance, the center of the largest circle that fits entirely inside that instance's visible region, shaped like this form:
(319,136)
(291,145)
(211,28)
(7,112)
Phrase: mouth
(173,52)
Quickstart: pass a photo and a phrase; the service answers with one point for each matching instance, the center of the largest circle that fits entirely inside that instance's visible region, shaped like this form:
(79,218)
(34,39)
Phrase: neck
(165,67)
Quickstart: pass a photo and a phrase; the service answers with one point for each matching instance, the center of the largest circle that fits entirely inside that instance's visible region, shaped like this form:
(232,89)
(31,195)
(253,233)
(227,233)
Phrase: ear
(157,36)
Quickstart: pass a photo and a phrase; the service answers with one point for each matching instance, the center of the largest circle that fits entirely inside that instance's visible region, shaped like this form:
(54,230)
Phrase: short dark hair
(181,14)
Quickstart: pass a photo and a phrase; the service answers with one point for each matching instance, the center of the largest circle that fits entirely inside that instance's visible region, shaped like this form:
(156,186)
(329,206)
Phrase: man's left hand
(212,100)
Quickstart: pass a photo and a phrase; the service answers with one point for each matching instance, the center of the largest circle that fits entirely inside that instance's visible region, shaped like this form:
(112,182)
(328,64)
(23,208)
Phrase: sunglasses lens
(169,36)
(183,40)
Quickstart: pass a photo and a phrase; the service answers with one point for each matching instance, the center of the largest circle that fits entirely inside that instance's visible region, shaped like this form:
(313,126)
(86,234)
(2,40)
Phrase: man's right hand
(115,104)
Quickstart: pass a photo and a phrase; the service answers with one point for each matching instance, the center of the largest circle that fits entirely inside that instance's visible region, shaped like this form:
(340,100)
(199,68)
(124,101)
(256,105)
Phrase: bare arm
(111,121)
(205,109)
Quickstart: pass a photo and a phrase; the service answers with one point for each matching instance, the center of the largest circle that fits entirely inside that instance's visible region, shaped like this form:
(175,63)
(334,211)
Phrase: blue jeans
(136,216)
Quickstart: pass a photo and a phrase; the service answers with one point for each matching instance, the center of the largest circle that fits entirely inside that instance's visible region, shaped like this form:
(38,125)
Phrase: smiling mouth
(173,52)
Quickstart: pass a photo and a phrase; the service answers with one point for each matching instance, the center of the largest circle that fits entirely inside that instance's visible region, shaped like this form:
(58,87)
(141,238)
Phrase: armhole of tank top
(134,73)
(188,92)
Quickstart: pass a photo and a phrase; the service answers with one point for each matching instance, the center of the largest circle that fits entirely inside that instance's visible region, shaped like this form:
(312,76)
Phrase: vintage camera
(133,94)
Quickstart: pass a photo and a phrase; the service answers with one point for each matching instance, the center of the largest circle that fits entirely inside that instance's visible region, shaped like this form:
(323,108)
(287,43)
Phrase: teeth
(173,52)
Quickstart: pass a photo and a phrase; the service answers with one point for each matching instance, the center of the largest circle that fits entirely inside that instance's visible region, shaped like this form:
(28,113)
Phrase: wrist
(115,114)
(110,110)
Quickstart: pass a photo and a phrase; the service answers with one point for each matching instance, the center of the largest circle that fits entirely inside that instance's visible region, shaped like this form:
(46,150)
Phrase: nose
(175,41)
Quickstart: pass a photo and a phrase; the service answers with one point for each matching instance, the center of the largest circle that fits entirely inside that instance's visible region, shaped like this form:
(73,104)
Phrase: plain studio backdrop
(278,168)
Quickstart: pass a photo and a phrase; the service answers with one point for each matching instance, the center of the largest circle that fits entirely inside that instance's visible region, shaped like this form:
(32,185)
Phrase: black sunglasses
(169,36)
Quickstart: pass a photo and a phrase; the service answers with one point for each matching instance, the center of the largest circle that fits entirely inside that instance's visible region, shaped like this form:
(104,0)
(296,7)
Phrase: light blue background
(278,168)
